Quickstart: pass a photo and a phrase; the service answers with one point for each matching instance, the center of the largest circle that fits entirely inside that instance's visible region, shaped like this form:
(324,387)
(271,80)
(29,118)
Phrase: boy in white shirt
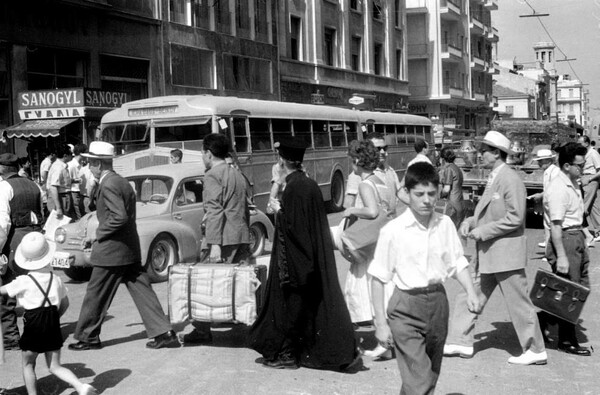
(418,251)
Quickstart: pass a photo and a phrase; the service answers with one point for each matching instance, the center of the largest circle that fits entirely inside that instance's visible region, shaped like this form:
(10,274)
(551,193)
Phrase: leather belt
(572,228)
(425,290)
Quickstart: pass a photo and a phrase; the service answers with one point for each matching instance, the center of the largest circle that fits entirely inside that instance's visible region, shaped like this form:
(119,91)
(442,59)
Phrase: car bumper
(64,259)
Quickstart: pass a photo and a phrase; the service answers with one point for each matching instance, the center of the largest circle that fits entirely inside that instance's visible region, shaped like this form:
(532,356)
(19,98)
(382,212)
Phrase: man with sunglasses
(498,226)
(567,252)
(385,172)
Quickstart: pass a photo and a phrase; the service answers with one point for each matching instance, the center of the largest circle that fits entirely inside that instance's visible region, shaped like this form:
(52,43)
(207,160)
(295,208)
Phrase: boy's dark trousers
(418,319)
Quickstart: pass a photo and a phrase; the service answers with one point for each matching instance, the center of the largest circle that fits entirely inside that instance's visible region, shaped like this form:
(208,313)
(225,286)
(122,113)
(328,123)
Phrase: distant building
(451,45)
(573,102)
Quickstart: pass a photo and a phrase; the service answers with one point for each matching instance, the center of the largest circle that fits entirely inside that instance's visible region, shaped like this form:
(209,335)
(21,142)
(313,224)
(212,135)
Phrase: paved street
(125,366)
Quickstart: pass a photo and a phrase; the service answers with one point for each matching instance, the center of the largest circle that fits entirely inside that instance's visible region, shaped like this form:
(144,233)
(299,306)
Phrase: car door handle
(177,216)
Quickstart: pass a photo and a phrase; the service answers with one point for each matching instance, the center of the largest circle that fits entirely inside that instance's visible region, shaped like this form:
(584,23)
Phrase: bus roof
(177,107)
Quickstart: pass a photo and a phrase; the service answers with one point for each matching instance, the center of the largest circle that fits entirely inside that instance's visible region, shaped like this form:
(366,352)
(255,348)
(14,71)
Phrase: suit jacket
(117,239)
(500,216)
(226,206)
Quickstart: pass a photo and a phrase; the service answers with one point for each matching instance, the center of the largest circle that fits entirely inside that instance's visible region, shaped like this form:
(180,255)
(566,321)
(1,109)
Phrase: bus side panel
(258,168)
(322,164)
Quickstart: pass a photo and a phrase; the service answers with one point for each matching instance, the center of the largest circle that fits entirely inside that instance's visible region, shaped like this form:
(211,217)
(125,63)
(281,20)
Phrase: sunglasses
(383,147)
(580,165)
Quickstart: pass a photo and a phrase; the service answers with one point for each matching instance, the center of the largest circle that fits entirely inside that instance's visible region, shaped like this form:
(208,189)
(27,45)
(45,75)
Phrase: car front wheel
(257,239)
(161,255)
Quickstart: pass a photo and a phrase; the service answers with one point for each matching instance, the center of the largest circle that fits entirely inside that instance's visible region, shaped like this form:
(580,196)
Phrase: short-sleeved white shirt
(74,167)
(58,176)
(29,295)
(592,162)
(563,201)
(412,256)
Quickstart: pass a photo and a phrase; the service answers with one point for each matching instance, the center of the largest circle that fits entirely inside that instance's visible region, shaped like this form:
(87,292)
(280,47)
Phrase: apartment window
(261,26)
(242,17)
(543,56)
(295,38)
(378,59)
(51,68)
(377,10)
(549,56)
(124,75)
(398,13)
(399,64)
(247,74)
(329,46)
(356,53)
(190,12)
(222,16)
(354,4)
(571,108)
(570,92)
(192,66)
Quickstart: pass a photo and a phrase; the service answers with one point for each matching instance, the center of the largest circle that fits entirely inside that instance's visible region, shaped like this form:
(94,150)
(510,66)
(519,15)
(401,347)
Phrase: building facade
(572,100)
(333,50)
(451,46)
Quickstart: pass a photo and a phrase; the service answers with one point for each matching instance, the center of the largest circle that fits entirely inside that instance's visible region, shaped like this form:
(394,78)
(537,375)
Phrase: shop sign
(55,99)
(317,98)
(417,108)
(43,113)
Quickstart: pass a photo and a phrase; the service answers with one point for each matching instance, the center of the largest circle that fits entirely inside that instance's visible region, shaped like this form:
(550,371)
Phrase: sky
(573,25)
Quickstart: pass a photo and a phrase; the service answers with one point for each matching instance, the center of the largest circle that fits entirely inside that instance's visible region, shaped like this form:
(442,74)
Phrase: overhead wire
(553,40)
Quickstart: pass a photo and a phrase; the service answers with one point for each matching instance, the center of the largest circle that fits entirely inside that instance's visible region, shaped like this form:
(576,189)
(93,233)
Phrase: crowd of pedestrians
(308,319)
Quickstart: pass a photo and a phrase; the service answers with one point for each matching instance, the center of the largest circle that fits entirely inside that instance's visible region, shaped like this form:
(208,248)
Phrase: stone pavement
(125,366)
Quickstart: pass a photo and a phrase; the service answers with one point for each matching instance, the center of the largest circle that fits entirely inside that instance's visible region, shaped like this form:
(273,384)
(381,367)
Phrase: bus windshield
(129,137)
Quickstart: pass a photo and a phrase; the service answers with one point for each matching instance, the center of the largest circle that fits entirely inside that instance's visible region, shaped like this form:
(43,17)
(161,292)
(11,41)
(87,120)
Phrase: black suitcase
(558,296)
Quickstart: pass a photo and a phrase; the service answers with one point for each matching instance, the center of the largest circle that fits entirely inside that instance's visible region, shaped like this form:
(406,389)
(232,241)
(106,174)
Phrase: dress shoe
(574,349)
(166,340)
(196,337)
(376,352)
(452,350)
(530,358)
(281,363)
(81,346)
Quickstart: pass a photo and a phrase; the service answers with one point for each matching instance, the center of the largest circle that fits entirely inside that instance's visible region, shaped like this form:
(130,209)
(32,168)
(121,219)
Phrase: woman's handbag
(558,296)
(361,235)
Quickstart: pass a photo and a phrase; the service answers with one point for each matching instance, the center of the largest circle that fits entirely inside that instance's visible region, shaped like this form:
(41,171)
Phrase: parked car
(169,218)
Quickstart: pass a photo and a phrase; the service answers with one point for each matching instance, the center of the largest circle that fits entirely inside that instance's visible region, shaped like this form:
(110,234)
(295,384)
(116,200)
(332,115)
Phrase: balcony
(478,64)
(476,25)
(418,51)
(451,53)
(492,68)
(450,9)
(491,5)
(451,88)
(492,35)
(479,96)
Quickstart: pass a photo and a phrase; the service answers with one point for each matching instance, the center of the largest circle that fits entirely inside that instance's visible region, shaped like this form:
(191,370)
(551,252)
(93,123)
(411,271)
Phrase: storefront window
(51,68)
(127,75)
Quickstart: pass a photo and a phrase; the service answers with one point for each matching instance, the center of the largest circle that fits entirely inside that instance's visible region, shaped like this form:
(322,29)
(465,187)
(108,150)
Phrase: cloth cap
(34,252)
(544,153)
(291,149)
(100,150)
(498,140)
(9,160)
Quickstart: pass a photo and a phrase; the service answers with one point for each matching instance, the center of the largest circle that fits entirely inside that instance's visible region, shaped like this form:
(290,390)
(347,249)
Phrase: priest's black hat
(291,148)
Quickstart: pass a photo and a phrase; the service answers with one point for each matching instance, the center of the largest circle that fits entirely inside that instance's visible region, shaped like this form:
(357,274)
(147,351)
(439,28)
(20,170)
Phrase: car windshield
(151,189)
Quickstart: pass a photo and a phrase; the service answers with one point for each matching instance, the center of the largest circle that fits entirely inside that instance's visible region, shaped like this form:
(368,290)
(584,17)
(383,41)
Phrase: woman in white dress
(372,193)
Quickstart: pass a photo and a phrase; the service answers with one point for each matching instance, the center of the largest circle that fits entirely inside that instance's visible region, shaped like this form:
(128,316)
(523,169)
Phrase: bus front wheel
(336,203)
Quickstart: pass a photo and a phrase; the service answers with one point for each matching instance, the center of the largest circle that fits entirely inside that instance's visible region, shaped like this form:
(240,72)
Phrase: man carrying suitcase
(227,231)
(567,252)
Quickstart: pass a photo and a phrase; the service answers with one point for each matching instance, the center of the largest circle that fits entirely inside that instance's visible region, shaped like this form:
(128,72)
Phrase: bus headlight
(60,235)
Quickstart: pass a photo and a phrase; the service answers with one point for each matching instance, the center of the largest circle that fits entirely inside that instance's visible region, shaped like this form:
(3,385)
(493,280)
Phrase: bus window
(351,131)
(390,135)
(302,130)
(411,134)
(320,134)
(427,131)
(337,134)
(281,128)
(259,134)
(182,136)
(240,135)
(401,134)
(380,129)
(370,129)
(127,138)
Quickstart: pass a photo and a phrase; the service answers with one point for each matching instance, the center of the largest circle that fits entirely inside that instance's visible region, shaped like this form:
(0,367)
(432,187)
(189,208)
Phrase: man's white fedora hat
(544,153)
(100,150)
(34,252)
(497,140)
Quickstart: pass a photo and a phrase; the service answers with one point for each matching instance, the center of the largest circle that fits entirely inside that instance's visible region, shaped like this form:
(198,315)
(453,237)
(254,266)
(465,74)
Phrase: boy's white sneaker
(451,350)
(530,358)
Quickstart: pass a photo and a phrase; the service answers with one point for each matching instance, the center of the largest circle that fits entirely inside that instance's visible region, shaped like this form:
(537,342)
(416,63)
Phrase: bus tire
(338,191)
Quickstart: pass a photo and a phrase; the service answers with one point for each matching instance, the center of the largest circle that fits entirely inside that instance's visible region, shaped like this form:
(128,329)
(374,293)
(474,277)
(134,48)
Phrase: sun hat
(497,140)
(544,153)
(34,252)
(100,150)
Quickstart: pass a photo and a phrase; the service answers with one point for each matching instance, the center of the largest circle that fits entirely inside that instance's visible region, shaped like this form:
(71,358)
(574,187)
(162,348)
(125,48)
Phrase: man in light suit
(498,228)
(117,259)
(227,231)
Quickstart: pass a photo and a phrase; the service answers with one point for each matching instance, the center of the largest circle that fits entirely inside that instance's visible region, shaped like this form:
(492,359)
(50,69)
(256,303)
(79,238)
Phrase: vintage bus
(145,131)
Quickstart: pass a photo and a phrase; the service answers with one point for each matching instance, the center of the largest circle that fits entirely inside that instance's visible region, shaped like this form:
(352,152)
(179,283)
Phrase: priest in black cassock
(304,320)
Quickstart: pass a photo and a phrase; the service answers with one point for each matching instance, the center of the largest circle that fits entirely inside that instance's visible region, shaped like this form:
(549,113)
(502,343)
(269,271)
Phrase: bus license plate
(61,260)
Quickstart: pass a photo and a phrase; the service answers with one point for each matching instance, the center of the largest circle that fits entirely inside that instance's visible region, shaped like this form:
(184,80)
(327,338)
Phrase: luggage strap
(189,291)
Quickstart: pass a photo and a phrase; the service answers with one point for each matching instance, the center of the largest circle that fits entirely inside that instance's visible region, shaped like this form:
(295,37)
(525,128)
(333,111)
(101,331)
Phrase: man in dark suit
(227,232)
(116,258)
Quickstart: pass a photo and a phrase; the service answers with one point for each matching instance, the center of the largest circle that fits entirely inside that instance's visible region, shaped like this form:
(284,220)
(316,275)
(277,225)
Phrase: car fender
(185,238)
(260,217)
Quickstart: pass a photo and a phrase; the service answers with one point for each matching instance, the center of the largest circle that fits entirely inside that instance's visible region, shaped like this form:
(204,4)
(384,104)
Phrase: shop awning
(38,128)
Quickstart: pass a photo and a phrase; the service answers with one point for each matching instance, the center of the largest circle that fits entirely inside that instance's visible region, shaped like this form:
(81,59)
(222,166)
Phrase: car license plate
(61,260)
